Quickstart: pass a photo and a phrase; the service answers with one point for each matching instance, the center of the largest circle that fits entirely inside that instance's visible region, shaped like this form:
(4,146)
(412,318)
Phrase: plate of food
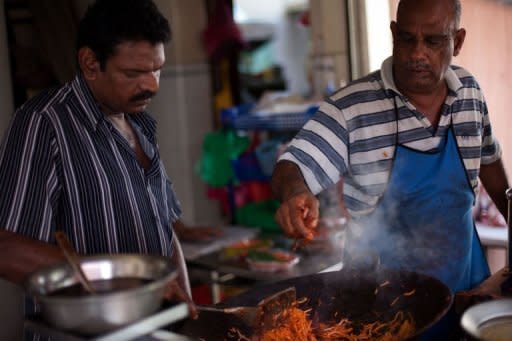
(271,260)
(241,249)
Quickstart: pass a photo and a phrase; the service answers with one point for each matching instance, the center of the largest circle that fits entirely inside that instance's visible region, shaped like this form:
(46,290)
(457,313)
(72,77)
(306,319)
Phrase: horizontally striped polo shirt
(64,166)
(355,132)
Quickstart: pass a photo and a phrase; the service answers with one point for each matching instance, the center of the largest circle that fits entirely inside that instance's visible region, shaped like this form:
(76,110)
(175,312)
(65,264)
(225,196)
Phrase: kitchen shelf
(244,118)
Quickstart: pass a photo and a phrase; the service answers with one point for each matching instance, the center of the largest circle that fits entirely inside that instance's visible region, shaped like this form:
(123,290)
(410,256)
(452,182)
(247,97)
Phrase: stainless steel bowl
(102,312)
(489,321)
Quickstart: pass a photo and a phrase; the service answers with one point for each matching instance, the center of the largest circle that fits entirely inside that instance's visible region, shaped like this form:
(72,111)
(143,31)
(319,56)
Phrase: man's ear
(460,35)
(393,26)
(89,65)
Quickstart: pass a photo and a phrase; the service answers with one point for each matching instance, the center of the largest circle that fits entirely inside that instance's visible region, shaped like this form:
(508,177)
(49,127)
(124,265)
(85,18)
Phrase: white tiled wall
(183,112)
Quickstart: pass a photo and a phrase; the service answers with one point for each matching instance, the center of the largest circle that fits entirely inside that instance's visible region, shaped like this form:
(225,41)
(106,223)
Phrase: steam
(421,246)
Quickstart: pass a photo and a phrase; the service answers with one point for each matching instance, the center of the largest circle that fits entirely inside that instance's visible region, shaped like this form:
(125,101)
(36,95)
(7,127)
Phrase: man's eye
(435,42)
(406,39)
(132,74)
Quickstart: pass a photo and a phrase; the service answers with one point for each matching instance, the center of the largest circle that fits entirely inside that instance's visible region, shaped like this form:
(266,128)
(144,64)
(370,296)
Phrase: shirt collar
(386,71)
(93,115)
(91,110)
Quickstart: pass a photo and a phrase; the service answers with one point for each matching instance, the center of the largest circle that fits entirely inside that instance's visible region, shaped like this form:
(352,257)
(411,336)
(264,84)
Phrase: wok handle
(508,193)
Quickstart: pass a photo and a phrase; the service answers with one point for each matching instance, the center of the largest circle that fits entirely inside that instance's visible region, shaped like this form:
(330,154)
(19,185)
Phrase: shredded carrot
(410,293)
(295,324)
(394,301)
(384,284)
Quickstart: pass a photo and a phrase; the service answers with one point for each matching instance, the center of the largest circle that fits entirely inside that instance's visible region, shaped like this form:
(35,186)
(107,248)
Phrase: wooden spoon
(72,258)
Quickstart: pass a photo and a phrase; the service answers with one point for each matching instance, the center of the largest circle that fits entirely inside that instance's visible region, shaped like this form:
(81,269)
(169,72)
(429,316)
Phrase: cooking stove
(150,328)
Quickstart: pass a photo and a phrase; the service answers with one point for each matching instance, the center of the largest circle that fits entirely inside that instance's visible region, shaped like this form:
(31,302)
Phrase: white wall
(379,34)
(182,109)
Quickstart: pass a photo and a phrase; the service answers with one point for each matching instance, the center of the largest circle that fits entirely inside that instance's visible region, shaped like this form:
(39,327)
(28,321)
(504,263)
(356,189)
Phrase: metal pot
(489,321)
(135,283)
(344,293)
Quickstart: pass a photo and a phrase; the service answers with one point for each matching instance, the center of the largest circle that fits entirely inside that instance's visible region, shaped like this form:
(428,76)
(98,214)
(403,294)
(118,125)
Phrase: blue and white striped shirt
(355,132)
(64,166)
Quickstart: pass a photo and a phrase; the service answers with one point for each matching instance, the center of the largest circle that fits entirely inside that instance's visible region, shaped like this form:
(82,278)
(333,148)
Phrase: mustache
(418,66)
(142,96)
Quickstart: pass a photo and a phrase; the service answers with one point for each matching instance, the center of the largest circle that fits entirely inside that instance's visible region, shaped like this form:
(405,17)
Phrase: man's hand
(197,233)
(298,215)
(173,292)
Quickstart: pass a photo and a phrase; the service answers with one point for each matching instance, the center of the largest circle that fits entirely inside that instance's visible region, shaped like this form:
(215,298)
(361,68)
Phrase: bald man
(410,142)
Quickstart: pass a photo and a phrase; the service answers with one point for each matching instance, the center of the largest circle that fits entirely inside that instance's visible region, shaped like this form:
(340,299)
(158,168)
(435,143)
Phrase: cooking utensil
(72,258)
(506,286)
(264,313)
(489,321)
(114,305)
(344,293)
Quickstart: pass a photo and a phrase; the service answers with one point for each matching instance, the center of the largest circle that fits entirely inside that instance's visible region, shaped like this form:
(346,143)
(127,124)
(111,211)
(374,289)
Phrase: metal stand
(145,329)
(507,284)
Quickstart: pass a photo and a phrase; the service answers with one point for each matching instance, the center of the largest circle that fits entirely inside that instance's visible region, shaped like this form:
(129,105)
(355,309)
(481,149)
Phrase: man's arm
(495,181)
(287,181)
(20,256)
(196,233)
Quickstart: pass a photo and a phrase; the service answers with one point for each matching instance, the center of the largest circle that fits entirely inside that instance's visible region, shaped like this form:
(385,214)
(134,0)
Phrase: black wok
(348,293)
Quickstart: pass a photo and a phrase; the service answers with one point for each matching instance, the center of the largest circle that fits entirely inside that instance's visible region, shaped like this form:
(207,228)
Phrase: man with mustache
(83,158)
(410,142)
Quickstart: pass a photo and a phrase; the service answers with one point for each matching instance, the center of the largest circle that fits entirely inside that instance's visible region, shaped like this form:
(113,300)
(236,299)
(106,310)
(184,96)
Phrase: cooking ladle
(73,261)
(266,314)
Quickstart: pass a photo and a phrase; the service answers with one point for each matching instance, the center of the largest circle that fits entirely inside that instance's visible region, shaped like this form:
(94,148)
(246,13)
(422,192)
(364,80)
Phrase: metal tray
(487,315)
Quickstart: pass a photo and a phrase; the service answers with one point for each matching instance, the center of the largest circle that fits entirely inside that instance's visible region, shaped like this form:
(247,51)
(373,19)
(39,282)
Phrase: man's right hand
(298,215)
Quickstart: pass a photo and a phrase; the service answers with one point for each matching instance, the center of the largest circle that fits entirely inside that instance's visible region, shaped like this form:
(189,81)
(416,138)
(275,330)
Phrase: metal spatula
(263,314)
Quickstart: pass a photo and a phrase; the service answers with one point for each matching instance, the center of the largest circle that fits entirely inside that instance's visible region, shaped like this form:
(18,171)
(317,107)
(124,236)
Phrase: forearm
(494,179)
(287,181)
(20,256)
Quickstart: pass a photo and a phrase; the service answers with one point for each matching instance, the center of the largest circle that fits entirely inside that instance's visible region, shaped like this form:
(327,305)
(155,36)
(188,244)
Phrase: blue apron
(424,220)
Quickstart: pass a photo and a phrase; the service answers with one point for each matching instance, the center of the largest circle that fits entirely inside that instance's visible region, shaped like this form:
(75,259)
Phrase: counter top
(309,263)
(230,235)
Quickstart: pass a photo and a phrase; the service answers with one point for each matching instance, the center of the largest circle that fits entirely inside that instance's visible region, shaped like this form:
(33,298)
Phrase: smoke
(384,237)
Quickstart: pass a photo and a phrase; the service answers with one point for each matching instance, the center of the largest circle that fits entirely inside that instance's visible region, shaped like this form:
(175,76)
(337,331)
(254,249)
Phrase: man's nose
(419,49)
(151,82)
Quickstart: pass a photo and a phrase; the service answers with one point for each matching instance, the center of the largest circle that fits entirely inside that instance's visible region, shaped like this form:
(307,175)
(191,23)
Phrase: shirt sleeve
(491,150)
(28,180)
(320,149)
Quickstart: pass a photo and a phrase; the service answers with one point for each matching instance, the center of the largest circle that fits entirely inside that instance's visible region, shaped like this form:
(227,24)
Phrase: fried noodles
(296,325)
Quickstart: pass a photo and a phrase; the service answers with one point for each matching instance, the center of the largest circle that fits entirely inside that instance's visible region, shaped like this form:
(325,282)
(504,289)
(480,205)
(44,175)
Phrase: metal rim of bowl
(149,287)
(480,314)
